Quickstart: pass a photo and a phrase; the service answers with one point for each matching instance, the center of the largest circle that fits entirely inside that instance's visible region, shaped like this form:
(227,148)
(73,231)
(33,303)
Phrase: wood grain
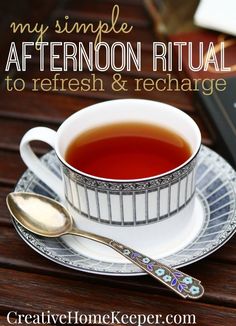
(106,92)
(18,128)
(18,11)
(4,321)
(29,282)
(207,270)
(61,295)
(45,107)
(5,219)
(11,167)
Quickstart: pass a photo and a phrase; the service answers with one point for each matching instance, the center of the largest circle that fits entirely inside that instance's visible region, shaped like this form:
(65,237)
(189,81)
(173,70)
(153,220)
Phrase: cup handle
(33,162)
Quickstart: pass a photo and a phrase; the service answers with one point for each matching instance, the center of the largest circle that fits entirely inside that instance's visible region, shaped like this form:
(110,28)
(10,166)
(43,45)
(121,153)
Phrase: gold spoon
(48,218)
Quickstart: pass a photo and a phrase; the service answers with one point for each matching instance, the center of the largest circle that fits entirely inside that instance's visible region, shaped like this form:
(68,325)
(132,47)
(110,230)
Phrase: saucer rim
(131,273)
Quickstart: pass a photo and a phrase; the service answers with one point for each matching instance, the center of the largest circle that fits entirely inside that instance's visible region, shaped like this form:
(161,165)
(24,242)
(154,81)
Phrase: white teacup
(141,213)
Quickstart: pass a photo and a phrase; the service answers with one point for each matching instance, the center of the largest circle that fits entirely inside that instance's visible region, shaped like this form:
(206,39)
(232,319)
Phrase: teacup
(142,213)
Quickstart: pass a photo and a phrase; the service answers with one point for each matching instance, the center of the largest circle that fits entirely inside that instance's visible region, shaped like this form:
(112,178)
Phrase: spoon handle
(179,282)
(183,284)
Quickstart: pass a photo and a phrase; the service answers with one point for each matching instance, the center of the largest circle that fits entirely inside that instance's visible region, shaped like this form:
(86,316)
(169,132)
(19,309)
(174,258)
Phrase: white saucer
(169,247)
(212,223)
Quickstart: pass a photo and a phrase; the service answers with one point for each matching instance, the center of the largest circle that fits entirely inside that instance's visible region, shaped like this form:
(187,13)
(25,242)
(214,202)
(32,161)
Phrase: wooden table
(31,283)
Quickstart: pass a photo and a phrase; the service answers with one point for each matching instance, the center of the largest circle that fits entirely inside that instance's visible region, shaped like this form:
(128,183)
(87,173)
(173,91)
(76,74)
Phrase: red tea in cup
(127,151)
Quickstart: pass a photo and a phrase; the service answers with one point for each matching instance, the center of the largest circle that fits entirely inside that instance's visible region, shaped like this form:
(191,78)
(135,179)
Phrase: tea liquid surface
(127,151)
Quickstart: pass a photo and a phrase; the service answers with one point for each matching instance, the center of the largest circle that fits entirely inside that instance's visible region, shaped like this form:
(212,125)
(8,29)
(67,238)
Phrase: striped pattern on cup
(130,203)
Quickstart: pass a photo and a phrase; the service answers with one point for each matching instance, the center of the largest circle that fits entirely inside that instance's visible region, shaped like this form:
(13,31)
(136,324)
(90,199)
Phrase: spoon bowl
(46,217)
(39,214)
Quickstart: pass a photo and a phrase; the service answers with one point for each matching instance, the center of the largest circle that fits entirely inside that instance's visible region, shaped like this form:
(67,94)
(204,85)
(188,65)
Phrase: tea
(127,151)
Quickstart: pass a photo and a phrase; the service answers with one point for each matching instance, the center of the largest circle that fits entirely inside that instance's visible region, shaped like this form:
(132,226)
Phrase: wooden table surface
(29,282)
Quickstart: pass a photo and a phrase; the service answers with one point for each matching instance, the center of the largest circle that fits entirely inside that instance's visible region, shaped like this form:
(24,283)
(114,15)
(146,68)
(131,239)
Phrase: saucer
(212,224)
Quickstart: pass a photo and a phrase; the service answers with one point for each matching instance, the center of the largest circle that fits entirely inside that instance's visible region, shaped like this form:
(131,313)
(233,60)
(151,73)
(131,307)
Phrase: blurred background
(153,20)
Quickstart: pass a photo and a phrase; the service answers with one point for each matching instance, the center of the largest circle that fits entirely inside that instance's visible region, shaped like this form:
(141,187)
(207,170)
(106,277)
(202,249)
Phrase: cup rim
(157,176)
